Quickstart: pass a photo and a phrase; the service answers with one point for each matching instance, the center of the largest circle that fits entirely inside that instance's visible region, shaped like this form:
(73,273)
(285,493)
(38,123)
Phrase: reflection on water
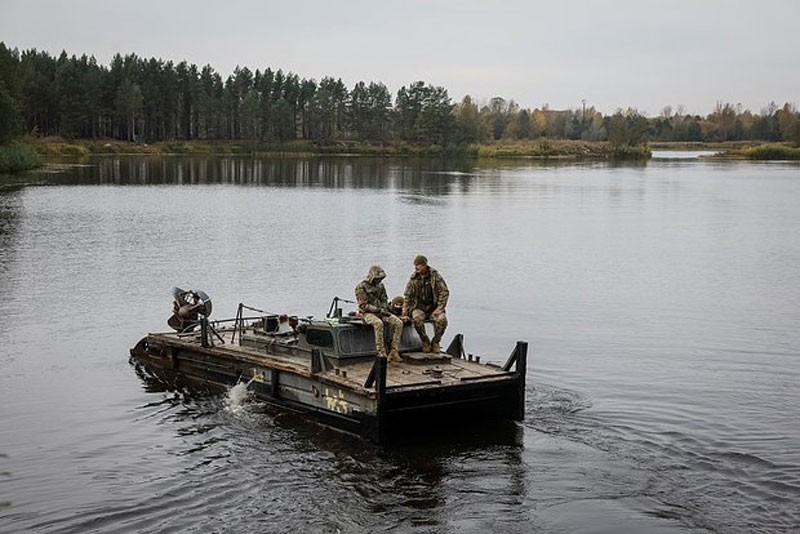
(9,223)
(422,175)
(659,301)
(412,174)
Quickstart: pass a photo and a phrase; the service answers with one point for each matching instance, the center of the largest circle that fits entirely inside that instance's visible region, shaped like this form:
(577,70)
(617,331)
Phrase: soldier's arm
(363,304)
(409,302)
(443,294)
(384,301)
(384,297)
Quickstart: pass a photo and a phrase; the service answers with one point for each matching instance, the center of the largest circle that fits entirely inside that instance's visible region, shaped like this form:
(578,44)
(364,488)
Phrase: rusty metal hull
(369,396)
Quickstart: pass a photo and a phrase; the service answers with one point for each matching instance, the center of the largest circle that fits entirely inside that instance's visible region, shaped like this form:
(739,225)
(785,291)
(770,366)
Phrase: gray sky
(615,53)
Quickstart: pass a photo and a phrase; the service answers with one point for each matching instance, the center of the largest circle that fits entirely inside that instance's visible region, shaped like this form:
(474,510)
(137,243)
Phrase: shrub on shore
(544,149)
(55,147)
(630,152)
(19,157)
(772,151)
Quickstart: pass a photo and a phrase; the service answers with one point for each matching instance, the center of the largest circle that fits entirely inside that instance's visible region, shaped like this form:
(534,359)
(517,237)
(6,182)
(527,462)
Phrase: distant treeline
(151,100)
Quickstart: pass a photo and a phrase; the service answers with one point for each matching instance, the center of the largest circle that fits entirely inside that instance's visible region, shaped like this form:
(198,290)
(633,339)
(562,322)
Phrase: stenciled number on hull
(336,402)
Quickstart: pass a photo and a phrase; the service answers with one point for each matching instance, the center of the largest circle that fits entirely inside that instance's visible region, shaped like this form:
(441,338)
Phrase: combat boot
(426,344)
(394,356)
(435,348)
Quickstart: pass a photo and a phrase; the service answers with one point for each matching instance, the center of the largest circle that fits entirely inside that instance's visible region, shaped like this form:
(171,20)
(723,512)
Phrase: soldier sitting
(373,304)
(396,306)
(426,299)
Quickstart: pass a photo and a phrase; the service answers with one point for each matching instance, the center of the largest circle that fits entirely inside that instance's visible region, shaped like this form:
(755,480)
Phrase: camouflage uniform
(424,294)
(373,303)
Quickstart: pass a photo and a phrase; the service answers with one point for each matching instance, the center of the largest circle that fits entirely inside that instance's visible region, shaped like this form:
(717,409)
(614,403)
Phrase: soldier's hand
(405,318)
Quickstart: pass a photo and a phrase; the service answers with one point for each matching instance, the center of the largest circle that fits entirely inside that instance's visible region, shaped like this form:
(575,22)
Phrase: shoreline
(57,147)
(38,151)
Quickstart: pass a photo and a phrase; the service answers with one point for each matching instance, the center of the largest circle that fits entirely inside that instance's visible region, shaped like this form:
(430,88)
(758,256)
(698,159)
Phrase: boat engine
(188,307)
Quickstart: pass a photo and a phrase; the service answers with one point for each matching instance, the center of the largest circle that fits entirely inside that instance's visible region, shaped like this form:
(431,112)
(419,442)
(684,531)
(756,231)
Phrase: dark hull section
(451,406)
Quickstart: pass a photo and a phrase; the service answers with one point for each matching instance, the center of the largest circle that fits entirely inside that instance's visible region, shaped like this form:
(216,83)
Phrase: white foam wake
(239,399)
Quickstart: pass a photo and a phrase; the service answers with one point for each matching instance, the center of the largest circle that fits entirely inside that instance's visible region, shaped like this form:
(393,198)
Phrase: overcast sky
(645,54)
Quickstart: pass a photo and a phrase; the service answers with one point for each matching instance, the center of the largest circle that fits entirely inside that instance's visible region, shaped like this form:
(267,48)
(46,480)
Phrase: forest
(153,100)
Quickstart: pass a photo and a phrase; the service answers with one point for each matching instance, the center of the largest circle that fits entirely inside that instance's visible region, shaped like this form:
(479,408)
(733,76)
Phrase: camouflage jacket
(371,294)
(414,290)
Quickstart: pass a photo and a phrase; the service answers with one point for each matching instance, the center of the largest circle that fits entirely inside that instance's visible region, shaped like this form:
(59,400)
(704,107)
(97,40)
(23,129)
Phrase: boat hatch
(355,340)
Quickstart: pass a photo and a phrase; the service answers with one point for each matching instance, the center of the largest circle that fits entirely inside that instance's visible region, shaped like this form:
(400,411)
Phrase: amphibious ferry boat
(328,369)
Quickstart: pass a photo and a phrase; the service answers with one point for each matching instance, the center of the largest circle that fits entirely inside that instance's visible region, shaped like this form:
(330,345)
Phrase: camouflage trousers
(395,324)
(418,317)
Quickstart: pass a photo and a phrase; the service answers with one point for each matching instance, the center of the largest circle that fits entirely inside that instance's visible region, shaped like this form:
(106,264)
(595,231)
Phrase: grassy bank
(720,146)
(33,152)
(630,152)
(772,151)
(544,149)
(19,157)
(739,149)
(55,148)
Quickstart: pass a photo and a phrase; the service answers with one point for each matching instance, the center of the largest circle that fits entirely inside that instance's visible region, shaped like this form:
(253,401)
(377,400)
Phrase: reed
(19,157)
(772,151)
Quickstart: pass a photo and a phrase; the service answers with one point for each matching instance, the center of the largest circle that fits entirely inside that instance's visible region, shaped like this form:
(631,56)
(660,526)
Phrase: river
(660,302)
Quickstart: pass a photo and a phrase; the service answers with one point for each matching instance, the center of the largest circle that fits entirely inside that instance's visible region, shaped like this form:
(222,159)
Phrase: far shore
(50,149)
(542,148)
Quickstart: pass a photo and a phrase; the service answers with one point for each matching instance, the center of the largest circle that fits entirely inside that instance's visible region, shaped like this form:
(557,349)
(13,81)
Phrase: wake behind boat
(329,369)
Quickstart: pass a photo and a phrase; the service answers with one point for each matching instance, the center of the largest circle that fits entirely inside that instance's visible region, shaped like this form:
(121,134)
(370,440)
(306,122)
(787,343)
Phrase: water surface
(660,302)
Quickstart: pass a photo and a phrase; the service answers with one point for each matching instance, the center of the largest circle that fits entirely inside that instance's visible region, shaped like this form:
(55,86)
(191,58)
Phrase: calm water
(661,303)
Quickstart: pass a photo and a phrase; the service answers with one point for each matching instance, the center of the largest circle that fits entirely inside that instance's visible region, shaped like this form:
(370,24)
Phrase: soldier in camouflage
(396,305)
(373,303)
(426,299)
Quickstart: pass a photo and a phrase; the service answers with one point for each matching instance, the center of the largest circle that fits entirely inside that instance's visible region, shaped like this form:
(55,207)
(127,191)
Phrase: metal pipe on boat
(274,378)
(204,332)
(370,381)
(522,371)
(380,368)
(379,426)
